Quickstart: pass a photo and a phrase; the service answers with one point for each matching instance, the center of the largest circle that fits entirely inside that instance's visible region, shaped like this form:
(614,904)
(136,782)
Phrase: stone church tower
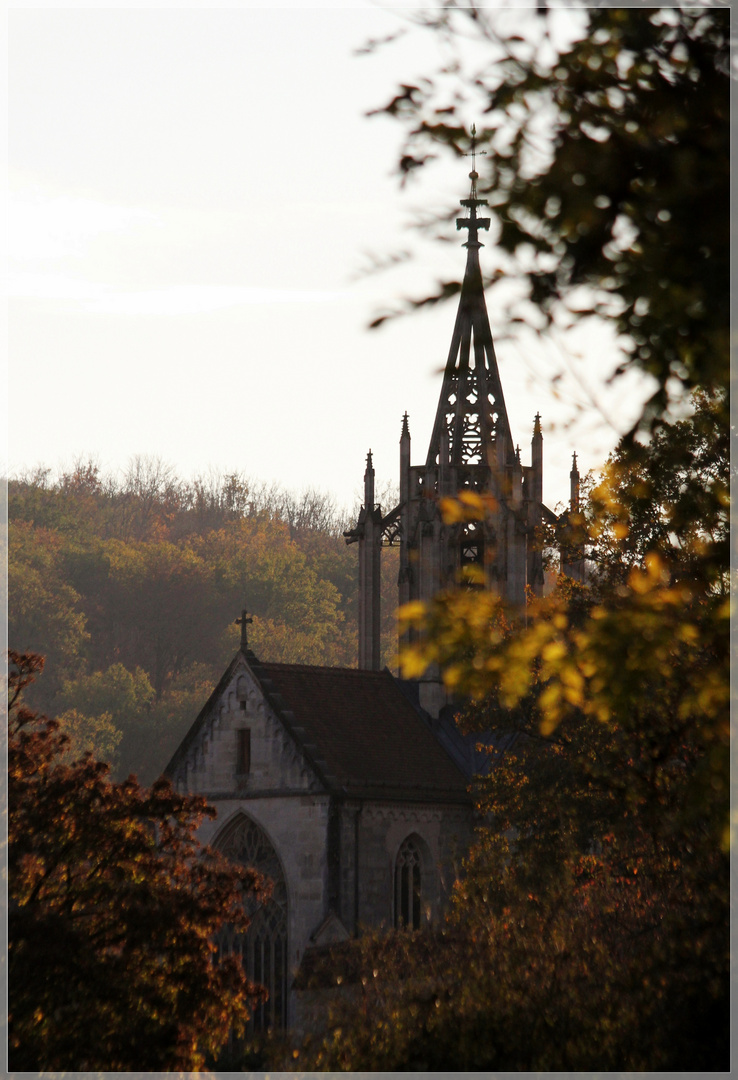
(471,449)
(349,788)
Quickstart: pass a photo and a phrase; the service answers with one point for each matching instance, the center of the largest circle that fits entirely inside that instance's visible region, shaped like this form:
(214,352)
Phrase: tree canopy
(607,170)
(113,910)
(590,928)
(670,496)
(129,587)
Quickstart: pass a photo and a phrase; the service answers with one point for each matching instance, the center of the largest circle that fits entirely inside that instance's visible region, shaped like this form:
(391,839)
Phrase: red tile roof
(362,731)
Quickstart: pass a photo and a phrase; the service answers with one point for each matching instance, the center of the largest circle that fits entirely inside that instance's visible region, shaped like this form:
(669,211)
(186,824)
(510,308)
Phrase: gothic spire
(471,409)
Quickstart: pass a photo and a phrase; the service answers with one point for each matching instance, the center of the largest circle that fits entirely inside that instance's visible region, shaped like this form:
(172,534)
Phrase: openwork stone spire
(471,424)
(471,450)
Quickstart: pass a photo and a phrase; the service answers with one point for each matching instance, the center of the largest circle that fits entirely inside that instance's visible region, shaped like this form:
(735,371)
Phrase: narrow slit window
(243,751)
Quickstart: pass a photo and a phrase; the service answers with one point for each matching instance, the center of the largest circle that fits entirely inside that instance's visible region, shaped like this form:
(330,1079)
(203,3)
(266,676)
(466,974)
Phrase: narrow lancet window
(408,886)
(243,751)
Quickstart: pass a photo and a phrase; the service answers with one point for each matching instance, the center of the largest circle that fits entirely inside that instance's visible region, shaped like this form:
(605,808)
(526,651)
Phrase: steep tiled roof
(362,730)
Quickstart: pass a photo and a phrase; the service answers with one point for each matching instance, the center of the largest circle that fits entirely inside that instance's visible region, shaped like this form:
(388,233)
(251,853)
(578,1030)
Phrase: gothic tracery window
(263,948)
(408,885)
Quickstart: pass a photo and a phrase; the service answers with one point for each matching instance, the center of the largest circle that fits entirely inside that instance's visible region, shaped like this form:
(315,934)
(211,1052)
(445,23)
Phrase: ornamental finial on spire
(473,223)
(474,175)
(537,425)
(369,483)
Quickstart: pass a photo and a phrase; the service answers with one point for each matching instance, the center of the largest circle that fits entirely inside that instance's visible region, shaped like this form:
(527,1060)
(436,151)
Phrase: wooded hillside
(130,589)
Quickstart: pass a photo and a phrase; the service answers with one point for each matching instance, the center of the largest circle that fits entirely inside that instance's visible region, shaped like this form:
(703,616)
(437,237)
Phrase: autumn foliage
(129,587)
(589,929)
(113,911)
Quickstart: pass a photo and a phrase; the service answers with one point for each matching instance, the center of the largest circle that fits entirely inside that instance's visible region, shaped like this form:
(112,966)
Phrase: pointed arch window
(263,948)
(409,885)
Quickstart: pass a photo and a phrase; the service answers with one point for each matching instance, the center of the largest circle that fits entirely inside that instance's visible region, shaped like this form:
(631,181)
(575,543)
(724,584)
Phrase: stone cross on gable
(243,622)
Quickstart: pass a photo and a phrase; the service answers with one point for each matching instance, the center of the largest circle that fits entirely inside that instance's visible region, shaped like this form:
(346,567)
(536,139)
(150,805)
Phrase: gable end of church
(244,743)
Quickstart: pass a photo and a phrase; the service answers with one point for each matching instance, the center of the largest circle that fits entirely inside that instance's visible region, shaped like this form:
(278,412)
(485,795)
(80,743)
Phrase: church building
(332,782)
(349,788)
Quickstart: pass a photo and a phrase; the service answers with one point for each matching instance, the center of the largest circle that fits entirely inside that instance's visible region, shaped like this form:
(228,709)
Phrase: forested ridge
(130,587)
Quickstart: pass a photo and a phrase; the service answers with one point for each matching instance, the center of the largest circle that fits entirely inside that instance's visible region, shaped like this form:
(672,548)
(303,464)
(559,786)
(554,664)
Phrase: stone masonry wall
(279,792)
(211,765)
(383,826)
(297,829)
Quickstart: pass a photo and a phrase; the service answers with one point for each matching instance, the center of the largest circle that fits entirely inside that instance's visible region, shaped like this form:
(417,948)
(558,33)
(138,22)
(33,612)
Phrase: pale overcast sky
(193,194)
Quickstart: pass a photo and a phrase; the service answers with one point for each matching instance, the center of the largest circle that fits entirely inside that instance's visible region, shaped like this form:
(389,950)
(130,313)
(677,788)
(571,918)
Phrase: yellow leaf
(469,506)
(452,675)
(554,651)
(451,511)
(655,566)
(548,725)
(472,499)
(550,697)
(573,695)
(412,663)
(640,582)
(571,677)
(474,574)
(415,612)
